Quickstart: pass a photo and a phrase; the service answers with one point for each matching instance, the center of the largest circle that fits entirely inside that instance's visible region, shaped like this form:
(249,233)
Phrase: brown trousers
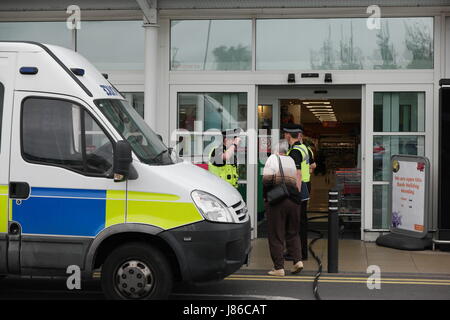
(283,222)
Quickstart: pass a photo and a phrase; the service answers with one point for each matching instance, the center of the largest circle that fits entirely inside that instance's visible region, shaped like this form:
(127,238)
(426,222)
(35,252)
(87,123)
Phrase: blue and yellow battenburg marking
(81,212)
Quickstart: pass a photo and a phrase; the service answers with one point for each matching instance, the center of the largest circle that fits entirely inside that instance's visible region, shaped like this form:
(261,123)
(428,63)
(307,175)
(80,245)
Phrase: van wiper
(159,155)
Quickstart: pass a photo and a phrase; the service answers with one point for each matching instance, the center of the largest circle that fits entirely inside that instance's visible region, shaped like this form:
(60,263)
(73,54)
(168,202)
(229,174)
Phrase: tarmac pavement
(404,275)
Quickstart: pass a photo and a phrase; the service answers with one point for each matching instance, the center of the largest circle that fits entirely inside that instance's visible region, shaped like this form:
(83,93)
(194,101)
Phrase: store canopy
(57,5)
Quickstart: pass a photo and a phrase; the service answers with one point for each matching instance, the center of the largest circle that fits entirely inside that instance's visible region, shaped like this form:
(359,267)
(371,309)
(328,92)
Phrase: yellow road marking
(338,278)
(437,282)
(239,277)
(339,281)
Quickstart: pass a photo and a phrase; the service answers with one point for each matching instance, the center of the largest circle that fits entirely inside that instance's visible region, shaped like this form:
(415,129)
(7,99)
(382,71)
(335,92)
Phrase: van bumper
(209,251)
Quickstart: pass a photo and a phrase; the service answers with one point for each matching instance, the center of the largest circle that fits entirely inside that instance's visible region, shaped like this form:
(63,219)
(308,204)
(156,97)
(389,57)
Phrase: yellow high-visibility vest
(306,176)
(227,172)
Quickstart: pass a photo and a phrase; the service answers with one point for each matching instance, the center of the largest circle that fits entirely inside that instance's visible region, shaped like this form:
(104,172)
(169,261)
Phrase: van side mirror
(122,161)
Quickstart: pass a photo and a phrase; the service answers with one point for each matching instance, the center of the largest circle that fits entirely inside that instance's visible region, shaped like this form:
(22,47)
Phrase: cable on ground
(319,262)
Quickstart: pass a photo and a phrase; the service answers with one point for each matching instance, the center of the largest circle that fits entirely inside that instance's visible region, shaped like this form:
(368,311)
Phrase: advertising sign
(409,195)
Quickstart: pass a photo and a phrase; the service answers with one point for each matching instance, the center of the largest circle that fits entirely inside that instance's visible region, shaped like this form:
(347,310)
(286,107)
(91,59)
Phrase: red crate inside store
(349,181)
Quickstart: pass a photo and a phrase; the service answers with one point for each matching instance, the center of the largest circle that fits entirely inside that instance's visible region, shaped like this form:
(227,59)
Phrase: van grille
(241,211)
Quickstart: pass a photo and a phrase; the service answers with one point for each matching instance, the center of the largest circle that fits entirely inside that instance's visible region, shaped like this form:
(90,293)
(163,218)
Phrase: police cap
(292,128)
(231,132)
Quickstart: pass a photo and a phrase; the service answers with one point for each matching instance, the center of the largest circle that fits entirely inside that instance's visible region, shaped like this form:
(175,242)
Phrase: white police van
(85,182)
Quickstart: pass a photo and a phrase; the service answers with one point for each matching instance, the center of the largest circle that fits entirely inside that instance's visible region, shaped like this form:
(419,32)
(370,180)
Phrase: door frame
(252,127)
(370,234)
(334,91)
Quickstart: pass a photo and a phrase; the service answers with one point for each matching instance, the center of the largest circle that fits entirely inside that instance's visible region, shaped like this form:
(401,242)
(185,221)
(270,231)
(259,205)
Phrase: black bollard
(333,231)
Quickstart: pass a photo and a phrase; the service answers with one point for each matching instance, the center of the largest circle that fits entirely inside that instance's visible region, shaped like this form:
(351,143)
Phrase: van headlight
(211,207)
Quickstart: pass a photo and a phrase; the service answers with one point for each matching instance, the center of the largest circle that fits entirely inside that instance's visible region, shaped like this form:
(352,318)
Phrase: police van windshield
(145,143)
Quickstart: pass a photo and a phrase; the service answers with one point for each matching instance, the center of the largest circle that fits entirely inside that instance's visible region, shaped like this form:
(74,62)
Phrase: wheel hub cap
(134,279)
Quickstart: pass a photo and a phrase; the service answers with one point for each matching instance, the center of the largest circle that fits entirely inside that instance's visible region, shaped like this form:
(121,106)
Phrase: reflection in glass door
(265,128)
(201,117)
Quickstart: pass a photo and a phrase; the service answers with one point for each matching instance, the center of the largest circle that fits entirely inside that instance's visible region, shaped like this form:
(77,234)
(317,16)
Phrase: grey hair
(283,146)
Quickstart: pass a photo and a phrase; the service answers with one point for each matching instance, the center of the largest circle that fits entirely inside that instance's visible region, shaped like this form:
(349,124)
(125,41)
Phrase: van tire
(136,271)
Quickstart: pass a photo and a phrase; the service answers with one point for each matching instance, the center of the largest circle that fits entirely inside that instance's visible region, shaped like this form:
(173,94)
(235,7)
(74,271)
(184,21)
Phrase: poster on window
(409,199)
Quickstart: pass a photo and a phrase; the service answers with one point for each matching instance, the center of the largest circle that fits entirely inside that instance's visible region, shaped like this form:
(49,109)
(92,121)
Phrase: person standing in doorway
(312,162)
(293,133)
(283,217)
(223,159)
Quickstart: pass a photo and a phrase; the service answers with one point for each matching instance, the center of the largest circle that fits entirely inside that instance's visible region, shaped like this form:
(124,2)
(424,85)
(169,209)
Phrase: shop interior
(332,128)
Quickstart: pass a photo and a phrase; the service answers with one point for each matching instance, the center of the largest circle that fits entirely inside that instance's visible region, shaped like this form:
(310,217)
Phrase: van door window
(62,133)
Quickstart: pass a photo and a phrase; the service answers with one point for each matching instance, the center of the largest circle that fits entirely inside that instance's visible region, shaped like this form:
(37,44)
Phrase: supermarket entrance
(331,117)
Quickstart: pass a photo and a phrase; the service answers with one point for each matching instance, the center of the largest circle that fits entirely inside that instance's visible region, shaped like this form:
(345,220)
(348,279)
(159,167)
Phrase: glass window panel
(112,45)
(399,112)
(380,217)
(211,45)
(99,149)
(386,146)
(344,44)
(201,117)
(55,33)
(52,134)
(136,100)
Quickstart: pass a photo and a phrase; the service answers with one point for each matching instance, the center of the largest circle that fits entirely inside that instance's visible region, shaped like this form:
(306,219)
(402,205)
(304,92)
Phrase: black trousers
(304,225)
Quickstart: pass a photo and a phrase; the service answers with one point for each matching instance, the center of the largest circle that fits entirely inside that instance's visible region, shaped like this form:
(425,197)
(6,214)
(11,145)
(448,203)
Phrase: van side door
(61,180)
(7,66)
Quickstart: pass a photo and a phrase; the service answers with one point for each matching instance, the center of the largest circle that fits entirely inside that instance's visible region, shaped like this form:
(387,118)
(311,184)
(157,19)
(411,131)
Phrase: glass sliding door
(202,116)
(198,115)
(398,123)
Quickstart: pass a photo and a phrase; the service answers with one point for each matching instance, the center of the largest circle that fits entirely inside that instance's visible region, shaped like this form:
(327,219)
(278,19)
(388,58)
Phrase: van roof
(59,64)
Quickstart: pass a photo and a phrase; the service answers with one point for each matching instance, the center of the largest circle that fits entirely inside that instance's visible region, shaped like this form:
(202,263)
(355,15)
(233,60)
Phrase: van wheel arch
(109,244)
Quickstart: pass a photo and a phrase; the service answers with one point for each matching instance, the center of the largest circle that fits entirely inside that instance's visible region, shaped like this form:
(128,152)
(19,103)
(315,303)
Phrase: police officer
(293,133)
(223,159)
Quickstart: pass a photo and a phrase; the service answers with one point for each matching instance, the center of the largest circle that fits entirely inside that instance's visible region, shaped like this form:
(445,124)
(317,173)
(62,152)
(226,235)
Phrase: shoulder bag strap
(282,175)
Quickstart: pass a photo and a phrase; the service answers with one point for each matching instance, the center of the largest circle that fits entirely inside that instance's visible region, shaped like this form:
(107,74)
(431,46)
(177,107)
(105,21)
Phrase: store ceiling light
(316,102)
(318,107)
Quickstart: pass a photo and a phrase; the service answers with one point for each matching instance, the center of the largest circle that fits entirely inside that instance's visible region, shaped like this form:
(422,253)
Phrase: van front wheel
(136,271)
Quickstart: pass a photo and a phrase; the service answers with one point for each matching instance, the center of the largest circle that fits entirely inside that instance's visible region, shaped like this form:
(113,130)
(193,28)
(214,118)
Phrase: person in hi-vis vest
(302,156)
(223,159)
